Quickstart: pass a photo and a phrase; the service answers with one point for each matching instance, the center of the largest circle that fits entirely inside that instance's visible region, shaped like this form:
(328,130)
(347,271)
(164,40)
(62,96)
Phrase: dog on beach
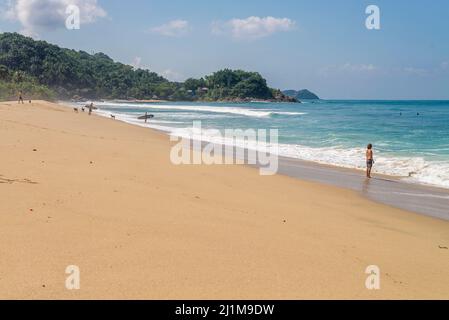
(112,116)
(75,109)
(82,109)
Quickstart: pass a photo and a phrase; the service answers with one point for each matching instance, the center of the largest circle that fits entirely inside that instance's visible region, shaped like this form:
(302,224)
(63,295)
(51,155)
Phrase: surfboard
(147,116)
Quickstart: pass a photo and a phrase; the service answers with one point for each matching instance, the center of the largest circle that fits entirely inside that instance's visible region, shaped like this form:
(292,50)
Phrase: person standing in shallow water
(369,160)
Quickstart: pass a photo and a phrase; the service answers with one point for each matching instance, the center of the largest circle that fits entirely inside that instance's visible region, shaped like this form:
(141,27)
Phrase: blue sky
(320,45)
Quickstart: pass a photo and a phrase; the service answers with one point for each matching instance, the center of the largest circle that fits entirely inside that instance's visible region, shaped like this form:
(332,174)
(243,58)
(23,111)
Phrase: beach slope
(103,195)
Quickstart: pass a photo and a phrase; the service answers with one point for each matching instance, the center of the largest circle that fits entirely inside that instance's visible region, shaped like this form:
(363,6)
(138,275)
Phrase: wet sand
(413,197)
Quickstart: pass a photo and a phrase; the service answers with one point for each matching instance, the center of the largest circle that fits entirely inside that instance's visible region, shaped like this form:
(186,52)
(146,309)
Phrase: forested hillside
(43,70)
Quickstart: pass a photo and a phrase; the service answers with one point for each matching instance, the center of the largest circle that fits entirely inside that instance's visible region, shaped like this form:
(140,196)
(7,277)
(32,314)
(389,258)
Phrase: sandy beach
(103,195)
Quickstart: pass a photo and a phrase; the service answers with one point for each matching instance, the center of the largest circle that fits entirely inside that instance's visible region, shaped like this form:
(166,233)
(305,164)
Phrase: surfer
(369,160)
(146,117)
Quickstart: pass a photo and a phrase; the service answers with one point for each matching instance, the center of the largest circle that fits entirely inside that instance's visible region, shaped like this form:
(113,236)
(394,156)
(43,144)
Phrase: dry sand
(103,195)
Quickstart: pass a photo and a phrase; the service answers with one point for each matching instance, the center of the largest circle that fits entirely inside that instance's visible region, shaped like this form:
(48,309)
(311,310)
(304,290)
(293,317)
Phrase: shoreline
(414,197)
(236,101)
(389,172)
(433,200)
(103,195)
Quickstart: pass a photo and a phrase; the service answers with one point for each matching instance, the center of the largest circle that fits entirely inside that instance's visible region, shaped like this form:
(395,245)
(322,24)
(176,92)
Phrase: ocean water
(410,138)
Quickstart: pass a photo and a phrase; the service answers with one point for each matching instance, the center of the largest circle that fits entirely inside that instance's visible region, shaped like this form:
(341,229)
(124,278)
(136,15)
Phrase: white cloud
(253,27)
(370,69)
(42,15)
(137,62)
(416,71)
(359,67)
(173,75)
(348,68)
(174,28)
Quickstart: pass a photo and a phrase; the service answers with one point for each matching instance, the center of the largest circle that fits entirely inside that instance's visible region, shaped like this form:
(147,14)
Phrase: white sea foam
(154,124)
(289,113)
(259,113)
(410,169)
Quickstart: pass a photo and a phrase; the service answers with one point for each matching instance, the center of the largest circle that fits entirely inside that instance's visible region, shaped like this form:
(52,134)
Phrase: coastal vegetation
(46,71)
(11,82)
(301,94)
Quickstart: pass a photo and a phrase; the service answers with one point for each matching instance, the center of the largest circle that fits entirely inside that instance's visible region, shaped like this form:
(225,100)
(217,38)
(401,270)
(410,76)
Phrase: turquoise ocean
(410,138)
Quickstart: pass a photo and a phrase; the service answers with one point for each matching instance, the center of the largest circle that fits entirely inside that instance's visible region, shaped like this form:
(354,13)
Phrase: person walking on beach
(369,160)
(91,106)
(21,97)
